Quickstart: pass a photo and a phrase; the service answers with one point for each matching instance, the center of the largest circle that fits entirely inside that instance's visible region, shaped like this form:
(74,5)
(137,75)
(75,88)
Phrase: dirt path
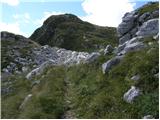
(69,113)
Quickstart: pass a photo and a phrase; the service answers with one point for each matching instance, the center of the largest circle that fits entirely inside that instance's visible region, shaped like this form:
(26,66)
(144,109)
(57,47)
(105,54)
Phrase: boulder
(108,49)
(110,63)
(149,28)
(131,94)
(127,23)
(39,70)
(132,45)
(135,77)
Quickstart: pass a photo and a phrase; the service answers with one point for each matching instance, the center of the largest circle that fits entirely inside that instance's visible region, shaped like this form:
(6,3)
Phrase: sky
(25,16)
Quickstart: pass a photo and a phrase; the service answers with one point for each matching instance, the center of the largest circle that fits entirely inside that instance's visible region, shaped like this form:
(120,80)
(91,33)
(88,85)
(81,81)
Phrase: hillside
(117,81)
(69,32)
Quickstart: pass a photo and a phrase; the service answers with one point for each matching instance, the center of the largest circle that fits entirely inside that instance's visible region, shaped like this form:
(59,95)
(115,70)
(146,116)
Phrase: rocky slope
(69,32)
(134,30)
(52,82)
(21,55)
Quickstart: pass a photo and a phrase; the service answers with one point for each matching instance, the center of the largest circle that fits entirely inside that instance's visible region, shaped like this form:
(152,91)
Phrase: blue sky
(24,16)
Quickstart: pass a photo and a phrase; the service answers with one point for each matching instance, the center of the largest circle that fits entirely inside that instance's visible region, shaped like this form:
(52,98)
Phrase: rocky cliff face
(135,26)
(134,29)
(69,32)
(137,31)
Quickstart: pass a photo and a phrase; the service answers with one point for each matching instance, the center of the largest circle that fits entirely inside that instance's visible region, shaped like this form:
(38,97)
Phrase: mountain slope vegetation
(83,89)
(91,93)
(69,32)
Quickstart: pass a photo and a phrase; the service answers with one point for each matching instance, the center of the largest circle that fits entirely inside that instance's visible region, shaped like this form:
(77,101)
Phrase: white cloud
(22,18)
(26,16)
(106,12)
(39,22)
(11,27)
(10,2)
(16,16)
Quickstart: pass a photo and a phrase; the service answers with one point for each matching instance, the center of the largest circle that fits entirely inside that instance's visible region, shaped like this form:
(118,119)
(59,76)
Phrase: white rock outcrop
(149,28)
(131,94)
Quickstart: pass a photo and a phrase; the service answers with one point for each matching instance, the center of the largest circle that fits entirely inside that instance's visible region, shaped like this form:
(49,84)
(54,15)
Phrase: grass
(47,100)
(91,93)
(101,96)
(48,97)
(10,103)
(149,8)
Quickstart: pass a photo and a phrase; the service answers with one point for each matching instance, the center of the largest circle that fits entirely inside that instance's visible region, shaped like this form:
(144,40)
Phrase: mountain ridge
(69,32)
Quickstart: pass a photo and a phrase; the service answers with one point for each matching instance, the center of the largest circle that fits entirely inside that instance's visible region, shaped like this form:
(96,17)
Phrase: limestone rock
(39,70)
(143,17)
(127,23)
(125,38)
(110,63)
(132,45)
(135,77)
(121,47)
(131,94)
(68,57)
(149,28)
(44,53)
(108,49)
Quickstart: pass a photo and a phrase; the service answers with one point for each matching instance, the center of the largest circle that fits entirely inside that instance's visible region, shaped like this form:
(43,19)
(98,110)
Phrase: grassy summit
(69,32)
